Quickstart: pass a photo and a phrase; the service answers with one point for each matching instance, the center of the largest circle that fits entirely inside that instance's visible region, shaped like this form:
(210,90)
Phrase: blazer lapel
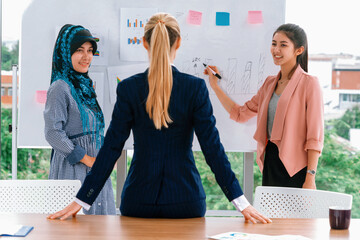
(283,104)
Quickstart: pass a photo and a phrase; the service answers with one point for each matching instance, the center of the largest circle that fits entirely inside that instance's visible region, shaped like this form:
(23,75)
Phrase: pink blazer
(298,123)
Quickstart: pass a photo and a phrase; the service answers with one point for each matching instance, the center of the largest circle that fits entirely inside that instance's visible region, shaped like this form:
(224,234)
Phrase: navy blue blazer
(163,169)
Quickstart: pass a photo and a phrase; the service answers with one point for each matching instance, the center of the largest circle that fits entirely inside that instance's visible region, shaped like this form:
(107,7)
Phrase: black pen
(213,72)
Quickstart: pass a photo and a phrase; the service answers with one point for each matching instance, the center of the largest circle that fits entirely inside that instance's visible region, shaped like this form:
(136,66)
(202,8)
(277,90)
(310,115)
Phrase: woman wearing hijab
(74,122)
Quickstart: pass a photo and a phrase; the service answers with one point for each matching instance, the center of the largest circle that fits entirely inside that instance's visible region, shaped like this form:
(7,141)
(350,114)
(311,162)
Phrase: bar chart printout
(132,23)
(136,23)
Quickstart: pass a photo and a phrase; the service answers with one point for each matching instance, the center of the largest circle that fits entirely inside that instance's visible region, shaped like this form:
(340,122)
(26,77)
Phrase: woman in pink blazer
(289,107)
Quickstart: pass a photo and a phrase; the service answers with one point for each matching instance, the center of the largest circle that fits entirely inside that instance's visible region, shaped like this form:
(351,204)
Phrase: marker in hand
(213,72)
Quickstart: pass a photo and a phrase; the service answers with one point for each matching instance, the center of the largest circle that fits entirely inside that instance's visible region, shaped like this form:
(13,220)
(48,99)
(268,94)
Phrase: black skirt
(274,172)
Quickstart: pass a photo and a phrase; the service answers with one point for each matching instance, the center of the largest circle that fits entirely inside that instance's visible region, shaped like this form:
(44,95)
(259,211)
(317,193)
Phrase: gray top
(64,132)
(271,112)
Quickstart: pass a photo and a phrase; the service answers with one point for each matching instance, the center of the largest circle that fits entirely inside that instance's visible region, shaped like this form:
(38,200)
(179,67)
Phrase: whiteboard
(241,50)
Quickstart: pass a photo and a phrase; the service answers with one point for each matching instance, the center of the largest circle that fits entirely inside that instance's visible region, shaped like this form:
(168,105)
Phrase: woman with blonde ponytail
(161,32)
(163,107)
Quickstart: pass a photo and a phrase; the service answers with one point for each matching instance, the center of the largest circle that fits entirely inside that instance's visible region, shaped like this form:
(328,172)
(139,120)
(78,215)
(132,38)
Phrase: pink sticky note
(255,17)
(194,17)
(41,96)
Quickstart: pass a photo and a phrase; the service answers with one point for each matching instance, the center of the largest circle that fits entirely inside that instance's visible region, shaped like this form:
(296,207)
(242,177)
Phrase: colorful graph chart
(132,24)
(136,23)
(134,40)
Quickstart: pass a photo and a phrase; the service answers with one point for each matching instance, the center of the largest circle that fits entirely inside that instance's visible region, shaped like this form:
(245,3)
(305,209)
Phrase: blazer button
(90,192)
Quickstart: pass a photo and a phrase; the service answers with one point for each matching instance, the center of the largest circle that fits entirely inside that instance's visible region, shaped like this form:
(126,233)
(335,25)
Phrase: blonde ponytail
(161,32)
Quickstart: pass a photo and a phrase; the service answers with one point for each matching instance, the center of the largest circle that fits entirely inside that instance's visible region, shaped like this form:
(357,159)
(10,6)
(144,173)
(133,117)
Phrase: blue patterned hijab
(69,39)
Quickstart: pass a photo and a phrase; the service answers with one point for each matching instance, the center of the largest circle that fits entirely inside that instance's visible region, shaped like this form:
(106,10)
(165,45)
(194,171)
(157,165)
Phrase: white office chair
(281,202)
(36,196)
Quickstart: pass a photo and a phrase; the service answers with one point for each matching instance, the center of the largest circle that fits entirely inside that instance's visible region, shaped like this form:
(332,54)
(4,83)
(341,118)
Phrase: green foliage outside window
(351,119)
(9,57)
(32,163)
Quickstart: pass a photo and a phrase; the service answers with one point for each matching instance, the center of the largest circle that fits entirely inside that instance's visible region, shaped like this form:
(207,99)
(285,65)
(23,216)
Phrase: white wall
(355,137)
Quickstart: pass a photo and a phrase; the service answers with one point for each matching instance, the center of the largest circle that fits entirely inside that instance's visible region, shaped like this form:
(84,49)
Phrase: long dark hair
(298,36)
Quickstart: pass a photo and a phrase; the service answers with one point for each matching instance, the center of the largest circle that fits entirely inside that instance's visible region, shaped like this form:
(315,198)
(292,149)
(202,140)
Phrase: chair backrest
(36,196)
(281,202)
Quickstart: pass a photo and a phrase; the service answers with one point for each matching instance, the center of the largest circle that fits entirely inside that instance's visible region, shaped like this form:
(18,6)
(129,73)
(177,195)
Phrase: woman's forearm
(225,100)
(313,158)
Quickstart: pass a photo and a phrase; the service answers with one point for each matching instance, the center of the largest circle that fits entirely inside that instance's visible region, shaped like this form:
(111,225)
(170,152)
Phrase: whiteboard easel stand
(121,172)
(248,176)
(14,119)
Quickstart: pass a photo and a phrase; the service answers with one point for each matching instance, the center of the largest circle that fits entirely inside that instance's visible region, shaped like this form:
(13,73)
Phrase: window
(344,97)
(350,97)
(355,97)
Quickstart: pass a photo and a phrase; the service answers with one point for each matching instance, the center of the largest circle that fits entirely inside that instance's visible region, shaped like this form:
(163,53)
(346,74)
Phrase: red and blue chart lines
(134,40)
(135,28)
(135,24)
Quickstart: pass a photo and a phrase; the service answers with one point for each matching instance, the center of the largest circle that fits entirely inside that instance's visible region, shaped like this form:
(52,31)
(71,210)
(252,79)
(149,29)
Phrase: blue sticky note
(222,19)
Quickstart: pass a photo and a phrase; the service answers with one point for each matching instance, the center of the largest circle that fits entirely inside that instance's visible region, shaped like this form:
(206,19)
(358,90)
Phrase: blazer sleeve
(314,115)
(208,136)
(55,116)
(250,109)
(116,135)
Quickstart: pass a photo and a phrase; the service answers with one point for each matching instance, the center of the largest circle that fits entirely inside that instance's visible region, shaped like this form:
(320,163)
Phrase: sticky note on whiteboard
(194,17)
(255,17)
(222,19)
(41,96)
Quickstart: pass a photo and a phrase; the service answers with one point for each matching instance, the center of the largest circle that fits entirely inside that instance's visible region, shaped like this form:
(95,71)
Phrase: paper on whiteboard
(118,73)
(98,82)
(101,36)
(132,23)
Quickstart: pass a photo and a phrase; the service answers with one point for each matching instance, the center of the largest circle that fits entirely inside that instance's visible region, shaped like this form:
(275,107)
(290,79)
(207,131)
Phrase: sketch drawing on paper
(185,37)
(261,71)
(179,15)
(231,75)
(196,64)
(193,66)
(246,77)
